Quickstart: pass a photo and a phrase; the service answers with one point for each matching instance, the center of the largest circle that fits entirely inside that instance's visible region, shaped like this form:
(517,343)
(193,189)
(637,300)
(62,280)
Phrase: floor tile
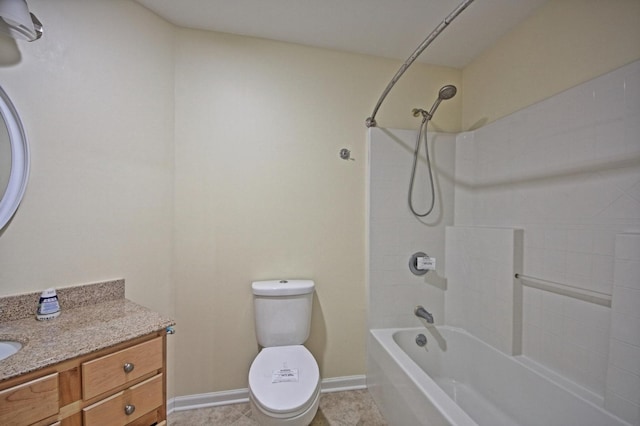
(348,408)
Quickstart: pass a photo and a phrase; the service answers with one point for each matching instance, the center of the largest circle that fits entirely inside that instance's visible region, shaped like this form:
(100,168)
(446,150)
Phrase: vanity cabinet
(122,385)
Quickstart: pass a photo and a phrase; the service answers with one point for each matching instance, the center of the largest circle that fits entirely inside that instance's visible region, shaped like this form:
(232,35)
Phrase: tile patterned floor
(349,408)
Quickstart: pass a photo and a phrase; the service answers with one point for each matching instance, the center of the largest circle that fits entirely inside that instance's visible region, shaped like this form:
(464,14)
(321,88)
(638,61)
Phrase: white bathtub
(456,379)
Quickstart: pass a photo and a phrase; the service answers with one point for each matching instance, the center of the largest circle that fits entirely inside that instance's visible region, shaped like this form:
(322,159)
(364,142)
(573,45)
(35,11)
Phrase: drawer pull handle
(128,367)
(129,409)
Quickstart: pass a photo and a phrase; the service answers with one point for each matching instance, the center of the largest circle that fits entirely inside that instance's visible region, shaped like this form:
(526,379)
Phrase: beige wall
(564,43)
(261,192)
(95,95)
(259,189)
(97,107)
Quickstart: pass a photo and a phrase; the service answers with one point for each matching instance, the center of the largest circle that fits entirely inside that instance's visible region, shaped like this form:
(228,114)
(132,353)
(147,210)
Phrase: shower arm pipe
(371,121)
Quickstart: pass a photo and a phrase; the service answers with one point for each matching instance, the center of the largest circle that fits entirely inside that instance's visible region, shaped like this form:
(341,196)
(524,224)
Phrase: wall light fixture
(16,21)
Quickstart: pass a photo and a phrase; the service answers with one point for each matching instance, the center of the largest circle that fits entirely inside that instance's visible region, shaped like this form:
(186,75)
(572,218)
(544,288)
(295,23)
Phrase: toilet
(284,380)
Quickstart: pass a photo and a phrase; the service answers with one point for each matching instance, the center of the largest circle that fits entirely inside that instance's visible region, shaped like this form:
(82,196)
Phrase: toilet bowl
(284,379)
(284,386)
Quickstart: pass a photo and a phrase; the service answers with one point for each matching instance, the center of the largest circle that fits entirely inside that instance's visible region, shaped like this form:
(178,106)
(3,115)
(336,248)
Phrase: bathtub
(456,379)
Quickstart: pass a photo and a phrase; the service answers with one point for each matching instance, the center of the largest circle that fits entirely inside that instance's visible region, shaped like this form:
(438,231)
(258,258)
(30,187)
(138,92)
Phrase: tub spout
(421,312)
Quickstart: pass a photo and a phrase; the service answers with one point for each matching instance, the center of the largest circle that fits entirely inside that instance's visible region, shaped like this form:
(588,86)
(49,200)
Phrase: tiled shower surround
(394,234)
(566,171)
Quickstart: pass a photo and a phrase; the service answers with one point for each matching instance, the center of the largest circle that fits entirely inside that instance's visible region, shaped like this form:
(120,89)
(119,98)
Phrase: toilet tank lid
(282,287)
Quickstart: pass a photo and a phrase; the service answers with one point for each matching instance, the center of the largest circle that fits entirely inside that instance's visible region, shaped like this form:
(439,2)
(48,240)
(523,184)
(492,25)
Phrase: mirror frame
(20,160)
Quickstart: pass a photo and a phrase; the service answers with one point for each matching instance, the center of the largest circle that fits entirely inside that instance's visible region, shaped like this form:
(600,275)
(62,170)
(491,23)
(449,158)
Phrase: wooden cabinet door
(29,402)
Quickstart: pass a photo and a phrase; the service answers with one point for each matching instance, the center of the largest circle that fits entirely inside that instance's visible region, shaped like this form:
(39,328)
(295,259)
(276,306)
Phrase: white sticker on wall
(284,375)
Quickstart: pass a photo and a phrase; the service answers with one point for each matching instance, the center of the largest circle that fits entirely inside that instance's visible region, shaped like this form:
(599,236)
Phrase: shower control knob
(419,263)
(128,367)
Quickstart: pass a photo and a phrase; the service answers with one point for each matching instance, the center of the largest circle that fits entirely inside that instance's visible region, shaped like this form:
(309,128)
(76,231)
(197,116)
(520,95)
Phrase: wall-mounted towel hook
(345,154)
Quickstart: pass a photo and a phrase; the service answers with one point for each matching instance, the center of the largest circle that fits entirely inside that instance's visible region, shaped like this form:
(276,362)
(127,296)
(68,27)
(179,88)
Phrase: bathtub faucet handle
(421,312)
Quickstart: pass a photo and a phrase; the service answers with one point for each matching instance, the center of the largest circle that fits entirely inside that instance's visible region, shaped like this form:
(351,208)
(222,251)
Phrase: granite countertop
(77,331)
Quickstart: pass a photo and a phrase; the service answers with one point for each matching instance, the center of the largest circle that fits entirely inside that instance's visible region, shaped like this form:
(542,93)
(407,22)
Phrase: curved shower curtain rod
(371,121)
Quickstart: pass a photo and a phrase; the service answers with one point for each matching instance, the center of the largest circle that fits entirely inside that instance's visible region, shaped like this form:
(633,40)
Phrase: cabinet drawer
(29,402)
(126,406)
(108,372)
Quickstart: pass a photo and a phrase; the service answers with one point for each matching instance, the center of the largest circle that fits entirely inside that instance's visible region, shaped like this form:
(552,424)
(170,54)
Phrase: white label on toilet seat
(284,375)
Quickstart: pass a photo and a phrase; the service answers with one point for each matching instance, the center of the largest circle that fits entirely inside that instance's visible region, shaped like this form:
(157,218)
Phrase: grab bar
(591,296)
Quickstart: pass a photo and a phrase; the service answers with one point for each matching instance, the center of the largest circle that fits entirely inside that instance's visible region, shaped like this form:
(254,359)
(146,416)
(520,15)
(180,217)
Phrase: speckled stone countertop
(80,330)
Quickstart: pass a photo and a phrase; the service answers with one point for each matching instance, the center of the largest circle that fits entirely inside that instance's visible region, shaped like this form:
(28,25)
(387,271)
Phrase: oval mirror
(14,160)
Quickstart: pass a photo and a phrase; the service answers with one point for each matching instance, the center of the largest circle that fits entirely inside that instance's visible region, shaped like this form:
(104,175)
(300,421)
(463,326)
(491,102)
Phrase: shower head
(447,92)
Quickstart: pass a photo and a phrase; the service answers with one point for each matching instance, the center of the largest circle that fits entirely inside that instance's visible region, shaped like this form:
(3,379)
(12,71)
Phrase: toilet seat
(284,381)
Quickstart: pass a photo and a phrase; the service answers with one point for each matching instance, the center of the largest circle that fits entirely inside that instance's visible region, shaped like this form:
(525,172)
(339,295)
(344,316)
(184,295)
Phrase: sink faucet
(421,312)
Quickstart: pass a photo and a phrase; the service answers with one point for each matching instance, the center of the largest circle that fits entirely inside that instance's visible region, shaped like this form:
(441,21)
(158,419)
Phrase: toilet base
(303,419)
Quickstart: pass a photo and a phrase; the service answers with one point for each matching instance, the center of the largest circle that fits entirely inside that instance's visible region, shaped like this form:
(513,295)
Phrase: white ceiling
(388,28)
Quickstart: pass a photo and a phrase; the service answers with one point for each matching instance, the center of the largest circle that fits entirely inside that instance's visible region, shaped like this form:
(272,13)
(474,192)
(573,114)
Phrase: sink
(8,348)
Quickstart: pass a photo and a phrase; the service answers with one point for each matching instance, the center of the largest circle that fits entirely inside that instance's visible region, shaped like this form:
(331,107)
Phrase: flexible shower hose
(423,127)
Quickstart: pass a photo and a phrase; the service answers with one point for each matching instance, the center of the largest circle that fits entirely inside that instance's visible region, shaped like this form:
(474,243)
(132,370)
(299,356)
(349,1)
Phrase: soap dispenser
(48,306)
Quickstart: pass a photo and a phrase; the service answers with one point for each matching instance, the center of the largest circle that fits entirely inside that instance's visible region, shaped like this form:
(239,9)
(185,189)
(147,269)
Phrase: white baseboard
(344,383)
(214,399)
(204,400)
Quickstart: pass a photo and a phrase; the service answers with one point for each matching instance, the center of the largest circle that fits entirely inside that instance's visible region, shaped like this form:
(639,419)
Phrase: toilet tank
(282,310)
